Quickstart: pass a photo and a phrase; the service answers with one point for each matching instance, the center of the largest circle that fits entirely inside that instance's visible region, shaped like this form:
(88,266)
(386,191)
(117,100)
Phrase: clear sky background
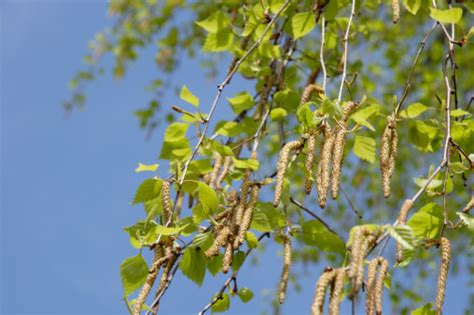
(67,183)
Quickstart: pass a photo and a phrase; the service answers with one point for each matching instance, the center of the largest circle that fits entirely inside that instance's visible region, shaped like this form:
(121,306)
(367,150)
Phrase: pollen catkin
(379,285)
(338,149)
(308,91)
(445,247)
(225,170)
(227,260)
(215,170)
(166,273)
(402,219)
(281,168)
(335,299)
(166,201)
(370,287)
(286,268)
(158,260)
(247,216)
(320,293)
(323,176)
(388,154)
(310,149)
(395,11)
(364,249)
(244,190)
(219,241)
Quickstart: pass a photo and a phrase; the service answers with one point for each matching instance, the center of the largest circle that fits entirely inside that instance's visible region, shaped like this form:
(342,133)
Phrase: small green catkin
(286,268)
(445,247)
(324,166)
(324,281)
(281,168)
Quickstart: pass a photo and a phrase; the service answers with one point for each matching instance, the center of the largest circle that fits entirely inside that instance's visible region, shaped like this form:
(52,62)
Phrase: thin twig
(346,50)
(321,52)
(349,201)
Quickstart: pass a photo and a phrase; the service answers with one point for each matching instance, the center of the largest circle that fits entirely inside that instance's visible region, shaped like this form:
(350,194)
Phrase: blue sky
(67,183)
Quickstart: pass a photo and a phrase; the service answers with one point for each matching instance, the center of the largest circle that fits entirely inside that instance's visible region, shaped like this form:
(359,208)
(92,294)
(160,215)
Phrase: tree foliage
(343,110)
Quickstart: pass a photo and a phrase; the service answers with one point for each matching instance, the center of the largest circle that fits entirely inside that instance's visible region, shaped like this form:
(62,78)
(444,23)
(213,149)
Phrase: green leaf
(217,42)
(222,304)
(403,234)
(214,264)
(245,294)
(193,265)
(458,167)
(164,230)
(453,15)
(133,272)
(237,260)
(228,129)
(412,5)
(427,222)
(146,168)
(426,309)
(315,233)
(361,116)
(302,24)
(459,113)
(467,220)
(189,97)
(266,217)
(269,51)
(176,131)
(207,196)
(364,148)
(215,22)
(246,164)
(148,190)
(241,102)
(435,183)
(252,240)
(141,233)
(414,110)
(278,114)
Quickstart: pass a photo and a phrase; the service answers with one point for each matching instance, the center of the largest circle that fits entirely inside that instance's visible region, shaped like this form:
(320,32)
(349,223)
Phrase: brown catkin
(227,260)
(247,216)
(402,219)
(225,170)
(370,287)
(281,168)
(335,299)
(158,260)
(286,268)
(320,293)
(363,251)
(166,273)
(395,11)
(323,175)
(166,201)
(379,285)
(310,150)
(219,241)
(338,148)
(388,154)
(445,247)
(215,170)
(244,190)
(308,91)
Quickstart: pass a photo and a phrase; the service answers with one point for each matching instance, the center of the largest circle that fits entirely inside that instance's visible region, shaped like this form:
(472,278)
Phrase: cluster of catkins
(165,257)
(233,223)
(331,155)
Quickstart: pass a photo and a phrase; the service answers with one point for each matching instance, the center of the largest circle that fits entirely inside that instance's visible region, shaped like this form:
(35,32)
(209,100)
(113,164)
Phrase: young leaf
(414,110)
(427,222)
(222,304)
(148,190)
(215,22)
(193,265)
(446,16)
(133,272)
(278,114)
(238,260)
(412,5)
(176,131)
(164,230)
(245,164)
(402,234)
(214,264)
(189,97)
(146,168)
(252,240)
(302,24)
(245,294)
(315,233)
(364,148)
(207,196)
(426,309)
(241,102)
(467,220)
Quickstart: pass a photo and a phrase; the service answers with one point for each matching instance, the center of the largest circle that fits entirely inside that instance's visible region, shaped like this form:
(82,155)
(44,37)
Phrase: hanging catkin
(379,285)
(395,11)
(402,219)
(469,206)
(388,154)
(338,149)
(227,260)
(244,190)
(219,241)
(445,247)
(215,170)
(286,268)
(225,170)
(166,272)
(310,150)
(308,91)
(158,260)
(363,251)
(320,293)
(166,201)
(247,216)
(370,286)
(281,168)
(323,173)
(335,299)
